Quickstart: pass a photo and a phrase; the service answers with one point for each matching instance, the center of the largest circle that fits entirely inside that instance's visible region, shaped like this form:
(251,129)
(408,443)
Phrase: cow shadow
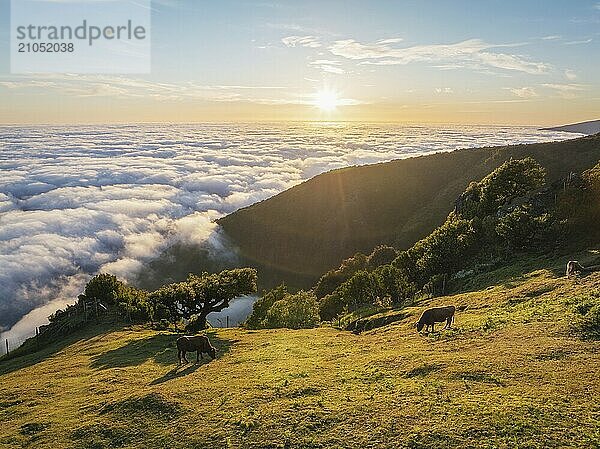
(222,345)
(160,348)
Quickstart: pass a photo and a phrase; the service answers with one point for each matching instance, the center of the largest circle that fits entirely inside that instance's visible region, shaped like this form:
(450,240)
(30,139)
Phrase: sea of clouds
(77,200)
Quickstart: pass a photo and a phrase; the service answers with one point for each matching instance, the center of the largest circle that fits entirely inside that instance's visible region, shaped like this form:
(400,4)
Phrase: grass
(512,373)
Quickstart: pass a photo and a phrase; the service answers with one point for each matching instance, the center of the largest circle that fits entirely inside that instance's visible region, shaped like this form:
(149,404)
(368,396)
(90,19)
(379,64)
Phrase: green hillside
(308,229)
(514,372)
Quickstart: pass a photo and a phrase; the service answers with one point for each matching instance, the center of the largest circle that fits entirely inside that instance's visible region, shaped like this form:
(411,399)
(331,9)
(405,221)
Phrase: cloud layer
(78,200)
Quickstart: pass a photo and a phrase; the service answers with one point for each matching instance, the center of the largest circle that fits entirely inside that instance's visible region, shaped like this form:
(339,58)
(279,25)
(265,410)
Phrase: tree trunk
(202,320)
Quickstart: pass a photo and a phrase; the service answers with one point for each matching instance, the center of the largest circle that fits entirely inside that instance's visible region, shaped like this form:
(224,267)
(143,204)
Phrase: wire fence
(8,344)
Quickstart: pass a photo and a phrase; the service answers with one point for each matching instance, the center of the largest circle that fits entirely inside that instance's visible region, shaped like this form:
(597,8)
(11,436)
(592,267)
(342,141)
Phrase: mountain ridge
(304,231)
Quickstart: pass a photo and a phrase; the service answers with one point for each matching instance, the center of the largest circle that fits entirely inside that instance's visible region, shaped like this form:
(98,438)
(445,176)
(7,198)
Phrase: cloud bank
(78,200)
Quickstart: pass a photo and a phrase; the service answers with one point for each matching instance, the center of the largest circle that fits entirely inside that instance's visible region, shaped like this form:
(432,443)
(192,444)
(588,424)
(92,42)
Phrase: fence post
(227,320)
(7,346)
(37,338)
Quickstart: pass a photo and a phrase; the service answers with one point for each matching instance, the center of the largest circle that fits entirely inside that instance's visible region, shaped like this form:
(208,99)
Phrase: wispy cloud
(301,41)
(328,66)
(522,92)
(565,90)
(552,37)
(570,75)
(106,86)
(473,53)
(580,42)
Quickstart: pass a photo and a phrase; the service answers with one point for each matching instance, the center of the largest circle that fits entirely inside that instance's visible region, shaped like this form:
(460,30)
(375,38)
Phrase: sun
(326,100)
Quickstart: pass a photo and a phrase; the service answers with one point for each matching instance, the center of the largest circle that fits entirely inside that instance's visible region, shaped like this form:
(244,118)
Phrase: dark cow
(191,343)
(436,315)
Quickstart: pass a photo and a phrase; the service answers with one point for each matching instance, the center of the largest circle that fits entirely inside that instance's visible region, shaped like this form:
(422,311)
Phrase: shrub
(331,306)
(520,228)
(263,304)
(298,311)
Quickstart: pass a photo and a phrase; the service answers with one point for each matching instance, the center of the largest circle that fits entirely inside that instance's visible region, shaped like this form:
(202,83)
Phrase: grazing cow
(574,267)
(191,343)
(436,315)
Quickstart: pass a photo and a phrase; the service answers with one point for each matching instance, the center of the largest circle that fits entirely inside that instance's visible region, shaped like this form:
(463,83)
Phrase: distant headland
(590,127)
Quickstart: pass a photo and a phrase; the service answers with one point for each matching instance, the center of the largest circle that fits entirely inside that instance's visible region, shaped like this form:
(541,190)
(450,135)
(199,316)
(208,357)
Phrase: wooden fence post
(227,320)
(7,346)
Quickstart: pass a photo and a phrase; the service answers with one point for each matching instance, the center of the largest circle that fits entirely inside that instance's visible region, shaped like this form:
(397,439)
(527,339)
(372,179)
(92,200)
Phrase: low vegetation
(513,372)
(279,308)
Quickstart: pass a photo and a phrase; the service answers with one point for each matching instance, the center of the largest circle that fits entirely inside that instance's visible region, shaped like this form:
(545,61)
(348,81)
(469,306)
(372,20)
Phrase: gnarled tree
(213,292)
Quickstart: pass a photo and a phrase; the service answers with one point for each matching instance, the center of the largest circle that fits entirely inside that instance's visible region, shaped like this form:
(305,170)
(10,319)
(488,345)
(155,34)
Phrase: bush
(299,311)
(263,304)
(520,228)
(331,306)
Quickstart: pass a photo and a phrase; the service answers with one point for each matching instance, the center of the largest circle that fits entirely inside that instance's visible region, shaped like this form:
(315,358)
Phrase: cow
(191,343)
(436,315)
(574,267)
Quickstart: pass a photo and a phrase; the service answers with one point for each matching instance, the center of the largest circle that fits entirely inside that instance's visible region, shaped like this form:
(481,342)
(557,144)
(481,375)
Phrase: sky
(501,62)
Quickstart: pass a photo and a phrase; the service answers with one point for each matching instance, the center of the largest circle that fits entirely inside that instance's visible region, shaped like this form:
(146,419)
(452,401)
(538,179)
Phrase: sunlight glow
(326,100)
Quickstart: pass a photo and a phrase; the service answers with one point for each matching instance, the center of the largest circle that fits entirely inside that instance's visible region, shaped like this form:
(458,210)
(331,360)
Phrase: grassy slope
(511,374)
(310,228)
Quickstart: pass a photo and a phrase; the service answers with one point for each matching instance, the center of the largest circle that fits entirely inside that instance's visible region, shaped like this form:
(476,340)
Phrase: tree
(395,283)
(334,278)
(263,304)
(331,306)
(446,250)
(298,311)
(213,292)
(511,180)
(520,228)
(103,287)
(171,301)
(106,289)
(381,255)
(362,288)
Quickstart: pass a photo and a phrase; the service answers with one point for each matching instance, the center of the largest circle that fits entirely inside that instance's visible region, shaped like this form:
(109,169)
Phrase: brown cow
(191,343)
(436,315)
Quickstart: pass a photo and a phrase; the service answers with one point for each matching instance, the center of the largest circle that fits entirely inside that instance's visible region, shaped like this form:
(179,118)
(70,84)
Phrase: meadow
(513,372)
